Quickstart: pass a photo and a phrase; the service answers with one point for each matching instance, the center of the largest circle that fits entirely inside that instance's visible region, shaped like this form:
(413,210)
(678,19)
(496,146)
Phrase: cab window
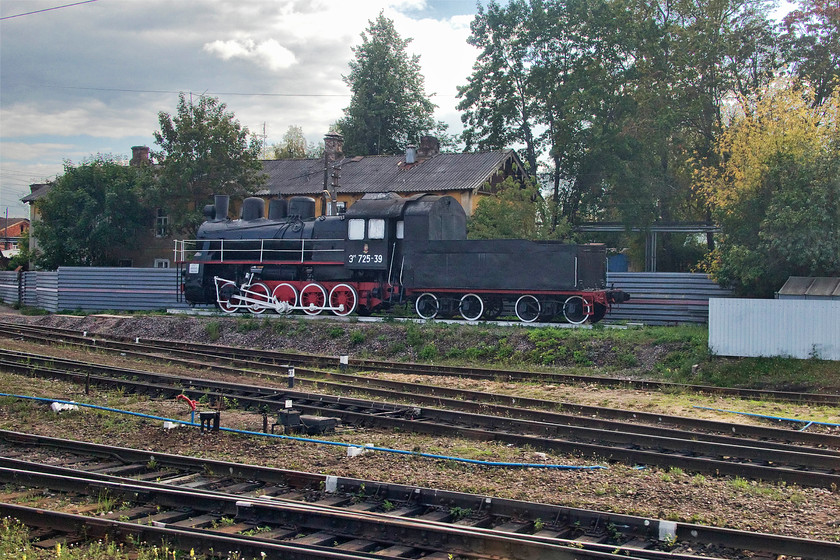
(376,228)
(400,229)
(355,229)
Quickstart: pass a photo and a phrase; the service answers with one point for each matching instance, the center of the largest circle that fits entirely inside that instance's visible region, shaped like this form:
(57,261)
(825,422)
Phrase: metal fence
(761,327)
(664,298)
(657,298)
(94,289)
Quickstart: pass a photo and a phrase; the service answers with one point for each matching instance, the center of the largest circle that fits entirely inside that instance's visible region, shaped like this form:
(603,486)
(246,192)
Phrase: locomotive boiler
(386,250)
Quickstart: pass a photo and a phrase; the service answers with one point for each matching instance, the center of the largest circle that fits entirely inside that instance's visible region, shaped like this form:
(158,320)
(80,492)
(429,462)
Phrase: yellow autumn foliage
(783,121)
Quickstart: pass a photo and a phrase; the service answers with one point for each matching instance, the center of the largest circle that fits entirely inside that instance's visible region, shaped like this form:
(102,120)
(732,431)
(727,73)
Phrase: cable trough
(645,445)
(282,513)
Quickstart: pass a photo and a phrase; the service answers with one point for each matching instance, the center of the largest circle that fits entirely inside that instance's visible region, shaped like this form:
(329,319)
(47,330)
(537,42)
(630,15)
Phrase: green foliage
(782,170)
(812,33)
(357,337)
(389,108)
(213,329)
(294,146)
(516,212)
(203,151)
(626,92)
(92,212)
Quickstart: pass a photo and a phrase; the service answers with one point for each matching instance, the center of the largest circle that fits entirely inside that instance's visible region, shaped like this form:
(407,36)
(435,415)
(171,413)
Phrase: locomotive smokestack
(222,203)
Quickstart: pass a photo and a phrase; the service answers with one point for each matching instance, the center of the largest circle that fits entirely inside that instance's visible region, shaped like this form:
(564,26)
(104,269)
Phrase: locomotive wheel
(343,294)
(427,306)
(261,293)
(313,297)
(493,308)
(528,308)
(226,292)
(574,310)
(286,292)
(471,307)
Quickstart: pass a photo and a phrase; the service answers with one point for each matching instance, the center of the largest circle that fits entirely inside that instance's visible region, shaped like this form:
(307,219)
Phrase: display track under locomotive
(386,250)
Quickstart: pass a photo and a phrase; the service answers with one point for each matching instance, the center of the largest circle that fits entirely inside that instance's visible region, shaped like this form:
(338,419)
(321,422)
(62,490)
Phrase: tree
(93,212)
(776,193)
(294,146)
(813,34)
(389,108)
(203,151)
(516,212)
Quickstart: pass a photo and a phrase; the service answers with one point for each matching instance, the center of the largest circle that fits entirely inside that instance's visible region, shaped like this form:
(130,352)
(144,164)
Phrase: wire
(48,9)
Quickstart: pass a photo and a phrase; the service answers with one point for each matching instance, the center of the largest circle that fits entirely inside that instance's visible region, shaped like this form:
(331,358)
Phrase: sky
(80,78)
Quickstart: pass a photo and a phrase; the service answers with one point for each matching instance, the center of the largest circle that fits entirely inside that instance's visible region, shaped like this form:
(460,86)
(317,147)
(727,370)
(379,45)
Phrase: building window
(161,223)
(161,263)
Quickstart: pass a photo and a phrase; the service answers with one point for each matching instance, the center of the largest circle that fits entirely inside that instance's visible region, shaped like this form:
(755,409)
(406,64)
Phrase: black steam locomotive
(383,251)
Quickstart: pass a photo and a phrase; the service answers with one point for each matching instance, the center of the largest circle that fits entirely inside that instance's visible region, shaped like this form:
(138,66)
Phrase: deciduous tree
(294,146)
(777,192)
(203,151)
(91,213)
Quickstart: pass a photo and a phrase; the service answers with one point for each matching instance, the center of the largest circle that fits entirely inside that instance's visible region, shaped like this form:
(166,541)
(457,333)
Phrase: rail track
(121,493)
(816,464)
(47,334)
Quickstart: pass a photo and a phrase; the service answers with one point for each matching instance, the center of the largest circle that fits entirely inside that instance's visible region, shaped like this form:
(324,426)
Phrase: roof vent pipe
(410,153)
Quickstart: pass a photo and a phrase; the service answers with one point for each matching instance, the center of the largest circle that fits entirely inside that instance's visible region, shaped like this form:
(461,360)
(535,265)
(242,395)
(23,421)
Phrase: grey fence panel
(119,289)
(664,298)
(775,327)
(41,290)
(9,287)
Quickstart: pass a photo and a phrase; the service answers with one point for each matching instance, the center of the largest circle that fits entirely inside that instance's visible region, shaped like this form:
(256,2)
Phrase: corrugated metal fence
(664,298)
(93,289)
(657,298)
(766,327)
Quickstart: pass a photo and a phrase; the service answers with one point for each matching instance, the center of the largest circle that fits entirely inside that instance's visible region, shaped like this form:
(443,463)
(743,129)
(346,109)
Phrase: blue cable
(806,422)
(323,442)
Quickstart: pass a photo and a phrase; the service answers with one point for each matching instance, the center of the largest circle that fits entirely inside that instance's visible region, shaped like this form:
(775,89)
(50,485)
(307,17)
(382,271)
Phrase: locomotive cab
(378,224)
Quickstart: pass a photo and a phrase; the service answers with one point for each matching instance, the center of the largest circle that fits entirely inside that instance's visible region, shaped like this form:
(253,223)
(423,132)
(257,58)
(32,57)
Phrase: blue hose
(806,422)
(323,442)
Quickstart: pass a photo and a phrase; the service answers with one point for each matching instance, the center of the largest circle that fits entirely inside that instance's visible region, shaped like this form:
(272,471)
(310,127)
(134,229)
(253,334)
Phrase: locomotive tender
(386,250)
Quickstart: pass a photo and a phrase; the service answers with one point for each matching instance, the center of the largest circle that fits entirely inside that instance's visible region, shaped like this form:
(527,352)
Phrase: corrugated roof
(818,286)
(442,172)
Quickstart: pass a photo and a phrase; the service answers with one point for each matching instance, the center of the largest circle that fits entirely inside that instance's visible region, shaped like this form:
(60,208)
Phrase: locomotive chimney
(222,203)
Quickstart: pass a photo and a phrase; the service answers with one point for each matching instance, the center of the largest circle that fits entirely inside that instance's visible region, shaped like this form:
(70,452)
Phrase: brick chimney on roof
(139,156)
(333,147)
(429,147)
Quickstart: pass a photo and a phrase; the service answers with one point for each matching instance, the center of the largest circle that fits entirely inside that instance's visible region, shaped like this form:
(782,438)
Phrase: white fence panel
(758,327)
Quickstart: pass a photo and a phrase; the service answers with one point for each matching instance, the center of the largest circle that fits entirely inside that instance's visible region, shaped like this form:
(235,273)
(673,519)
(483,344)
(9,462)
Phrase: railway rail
(647,445)
(284,513)
(66,336)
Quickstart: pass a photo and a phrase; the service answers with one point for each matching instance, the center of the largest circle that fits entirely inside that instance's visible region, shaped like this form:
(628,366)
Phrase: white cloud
(90,117)
(268,53)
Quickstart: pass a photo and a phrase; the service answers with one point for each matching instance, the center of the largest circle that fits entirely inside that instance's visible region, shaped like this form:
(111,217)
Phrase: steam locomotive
(386,250)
